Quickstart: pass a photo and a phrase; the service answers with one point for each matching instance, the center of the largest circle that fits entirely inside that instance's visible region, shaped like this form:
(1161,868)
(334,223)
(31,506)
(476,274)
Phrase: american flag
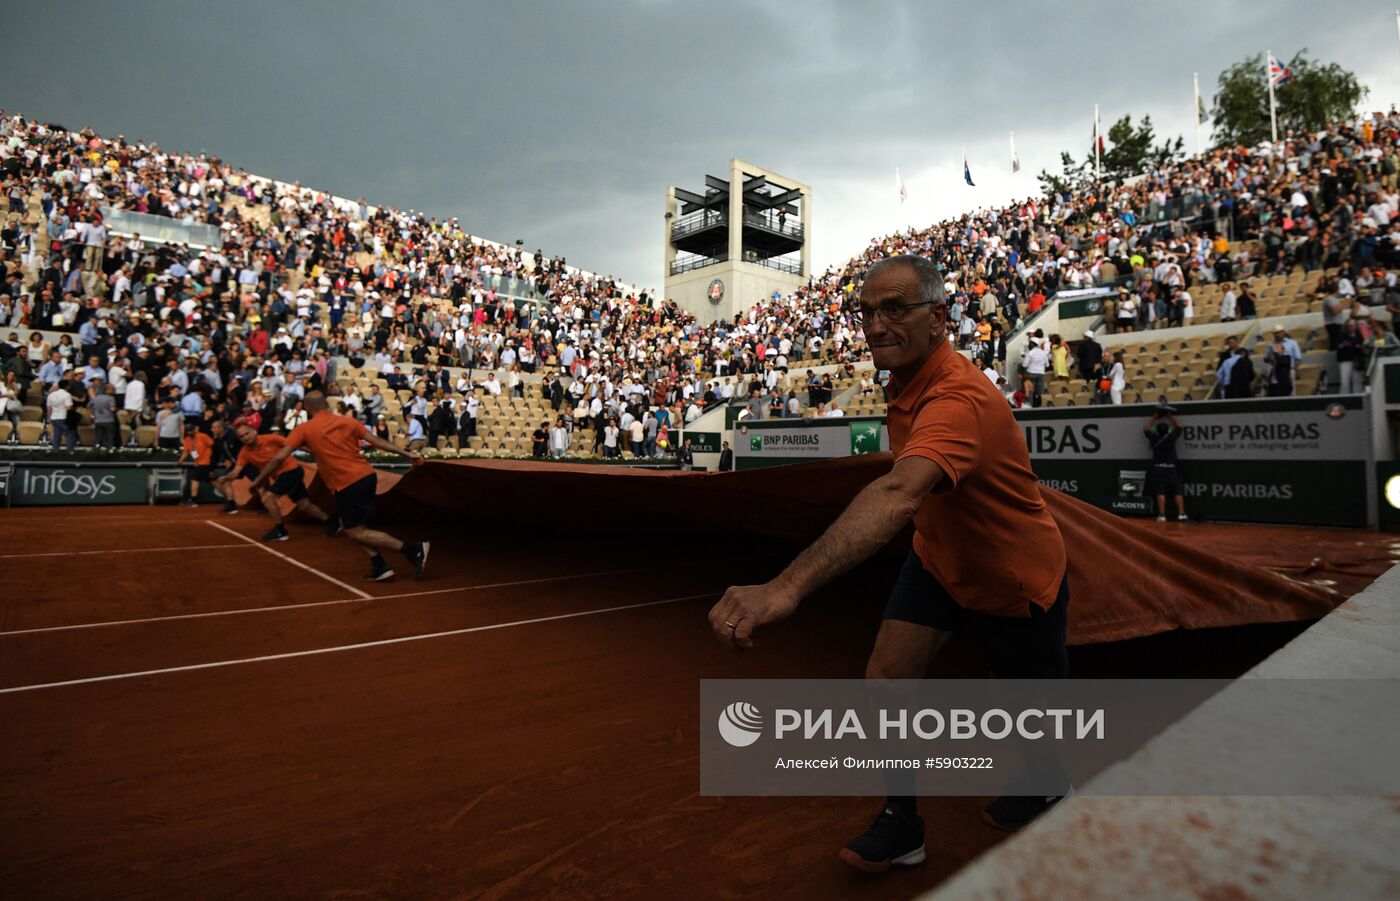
(1278,72)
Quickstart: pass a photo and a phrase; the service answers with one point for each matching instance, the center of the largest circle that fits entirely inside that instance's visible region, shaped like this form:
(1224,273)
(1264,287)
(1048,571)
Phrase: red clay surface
(554,758)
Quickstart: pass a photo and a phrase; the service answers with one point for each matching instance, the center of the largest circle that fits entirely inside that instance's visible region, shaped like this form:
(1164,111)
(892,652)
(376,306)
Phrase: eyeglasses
(892,313)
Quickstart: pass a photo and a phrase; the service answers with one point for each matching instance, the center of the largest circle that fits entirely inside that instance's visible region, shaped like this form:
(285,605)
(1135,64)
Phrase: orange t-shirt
(984,531)
(260,452)
(335,443)
(200,447)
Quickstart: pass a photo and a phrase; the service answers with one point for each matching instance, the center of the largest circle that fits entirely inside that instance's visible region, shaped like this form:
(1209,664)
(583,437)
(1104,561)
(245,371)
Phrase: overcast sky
(562,123)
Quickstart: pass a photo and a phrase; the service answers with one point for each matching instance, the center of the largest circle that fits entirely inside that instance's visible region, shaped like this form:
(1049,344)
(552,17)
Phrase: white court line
(297,563)
(381,597)
(129,550)
(351,647)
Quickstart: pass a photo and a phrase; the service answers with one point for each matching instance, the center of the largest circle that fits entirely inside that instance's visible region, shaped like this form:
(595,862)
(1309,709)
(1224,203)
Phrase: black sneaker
(279,533)
(894,839)
(333,526)
(1011,812)
(231,507)
(379,572)
(417,554)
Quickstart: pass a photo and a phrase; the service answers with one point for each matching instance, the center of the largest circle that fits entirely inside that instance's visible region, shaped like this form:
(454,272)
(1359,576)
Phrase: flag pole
(1397,26)
(1098,139)
(1273,109)
(1196,109)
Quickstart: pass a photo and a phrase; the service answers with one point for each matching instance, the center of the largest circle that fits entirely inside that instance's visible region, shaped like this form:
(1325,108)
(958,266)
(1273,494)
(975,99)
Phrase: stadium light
(1392,491)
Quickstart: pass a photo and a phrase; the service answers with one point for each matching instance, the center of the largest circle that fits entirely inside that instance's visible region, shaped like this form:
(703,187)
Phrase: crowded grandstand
(443,341)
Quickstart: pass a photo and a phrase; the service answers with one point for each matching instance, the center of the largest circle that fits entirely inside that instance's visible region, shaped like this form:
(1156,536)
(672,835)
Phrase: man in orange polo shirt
(335,443)
(288,480)
(988,558)
(198,448)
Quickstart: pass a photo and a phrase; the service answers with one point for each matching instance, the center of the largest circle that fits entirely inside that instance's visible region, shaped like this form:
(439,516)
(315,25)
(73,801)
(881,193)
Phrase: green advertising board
(774,442)
(51,485)
(1303,460)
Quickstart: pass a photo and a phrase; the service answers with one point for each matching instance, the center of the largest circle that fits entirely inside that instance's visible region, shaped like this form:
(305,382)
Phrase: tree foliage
(1128,150)
(1317,95)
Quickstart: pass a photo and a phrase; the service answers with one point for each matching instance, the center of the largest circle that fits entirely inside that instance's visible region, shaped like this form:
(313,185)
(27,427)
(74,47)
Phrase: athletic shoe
(1161,519)
(379,572)
(333,526)
(894,839)
(1011,812)
(279,533)
(231,507)
(417,554)
(1181,517)
(190,502)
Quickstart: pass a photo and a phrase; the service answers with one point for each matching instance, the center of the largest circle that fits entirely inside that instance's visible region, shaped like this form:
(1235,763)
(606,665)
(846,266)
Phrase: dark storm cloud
(561,123)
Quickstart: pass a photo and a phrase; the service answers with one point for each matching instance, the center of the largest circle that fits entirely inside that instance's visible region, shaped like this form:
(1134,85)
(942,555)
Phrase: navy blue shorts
(1031,647)
(355,503)
(290,484)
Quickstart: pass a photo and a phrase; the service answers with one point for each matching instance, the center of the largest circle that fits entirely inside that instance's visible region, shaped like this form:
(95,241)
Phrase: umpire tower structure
(737,242)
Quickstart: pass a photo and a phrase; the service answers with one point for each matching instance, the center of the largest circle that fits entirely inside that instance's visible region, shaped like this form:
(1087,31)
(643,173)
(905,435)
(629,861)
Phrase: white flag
(899,185)
(1015,160)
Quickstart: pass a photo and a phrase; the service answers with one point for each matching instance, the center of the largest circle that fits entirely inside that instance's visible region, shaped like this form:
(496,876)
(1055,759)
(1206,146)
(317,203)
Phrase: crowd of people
(136,331)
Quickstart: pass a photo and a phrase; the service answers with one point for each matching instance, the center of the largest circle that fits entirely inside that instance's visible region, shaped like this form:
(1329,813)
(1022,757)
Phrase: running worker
(988,558)
(198,448)
(335,443)
(223,462)
(288,481)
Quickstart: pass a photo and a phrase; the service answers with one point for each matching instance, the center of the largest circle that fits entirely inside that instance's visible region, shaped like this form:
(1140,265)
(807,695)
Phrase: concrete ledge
(1219,847)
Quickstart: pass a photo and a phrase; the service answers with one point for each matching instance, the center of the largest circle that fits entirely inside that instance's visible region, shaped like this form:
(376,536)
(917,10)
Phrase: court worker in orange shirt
(198,448)
(288,481)
(988,558)
(335,443)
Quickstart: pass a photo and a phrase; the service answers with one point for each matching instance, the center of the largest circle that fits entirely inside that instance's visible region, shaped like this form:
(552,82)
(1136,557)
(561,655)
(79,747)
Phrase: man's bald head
(315,402)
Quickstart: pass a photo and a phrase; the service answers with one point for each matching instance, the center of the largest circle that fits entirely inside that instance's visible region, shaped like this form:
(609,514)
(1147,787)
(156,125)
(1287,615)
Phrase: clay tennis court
(188,714)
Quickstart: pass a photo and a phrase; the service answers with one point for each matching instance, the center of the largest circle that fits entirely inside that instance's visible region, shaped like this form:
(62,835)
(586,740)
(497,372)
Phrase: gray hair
(930,279)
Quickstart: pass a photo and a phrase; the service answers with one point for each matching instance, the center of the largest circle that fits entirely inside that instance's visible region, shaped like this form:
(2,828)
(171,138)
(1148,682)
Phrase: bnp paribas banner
(773,442)
(1285,460)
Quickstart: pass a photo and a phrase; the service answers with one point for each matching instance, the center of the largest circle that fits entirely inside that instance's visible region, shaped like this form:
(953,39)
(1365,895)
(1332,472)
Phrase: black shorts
(201,473)
(290,484)
(1031,647)
(1163,479)
(355,503)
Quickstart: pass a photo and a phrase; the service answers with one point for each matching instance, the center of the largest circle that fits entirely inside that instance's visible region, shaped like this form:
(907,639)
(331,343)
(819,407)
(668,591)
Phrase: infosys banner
(773,442)
(41,486)
(1284,460)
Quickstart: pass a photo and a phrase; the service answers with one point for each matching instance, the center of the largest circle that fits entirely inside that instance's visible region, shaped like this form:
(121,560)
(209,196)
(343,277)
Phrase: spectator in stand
(1246,303)
(1034,364)
(1127,310)
(1116,378)
(1090,355)
(12,403)
(559,439)
(169,426)
(1282,359)
(1350,348)
(103,407)
(60,409)
(1059,358)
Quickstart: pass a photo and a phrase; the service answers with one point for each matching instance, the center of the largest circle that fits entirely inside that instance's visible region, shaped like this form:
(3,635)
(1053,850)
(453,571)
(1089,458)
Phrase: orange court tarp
(1127,579)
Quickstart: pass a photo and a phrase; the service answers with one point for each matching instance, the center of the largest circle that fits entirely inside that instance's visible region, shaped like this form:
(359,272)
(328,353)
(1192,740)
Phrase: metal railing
(697,221)
(161,229)
(687,265)
(774,223)
(777,263)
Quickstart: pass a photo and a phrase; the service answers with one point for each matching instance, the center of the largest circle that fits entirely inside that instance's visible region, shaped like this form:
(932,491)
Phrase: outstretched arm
(378,443)
(875,516)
